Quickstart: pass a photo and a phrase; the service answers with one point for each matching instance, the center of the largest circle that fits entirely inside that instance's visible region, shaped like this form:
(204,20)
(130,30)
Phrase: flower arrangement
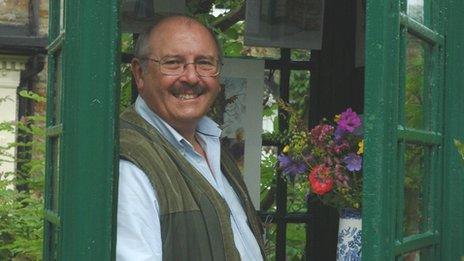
(329,157)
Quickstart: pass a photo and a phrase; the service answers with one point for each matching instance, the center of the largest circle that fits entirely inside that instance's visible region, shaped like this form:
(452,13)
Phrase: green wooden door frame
(386,135)
(381,81)
(82,124)
(453,196)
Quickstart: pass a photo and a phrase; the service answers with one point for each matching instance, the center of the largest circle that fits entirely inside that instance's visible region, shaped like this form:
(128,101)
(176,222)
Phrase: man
(180,196)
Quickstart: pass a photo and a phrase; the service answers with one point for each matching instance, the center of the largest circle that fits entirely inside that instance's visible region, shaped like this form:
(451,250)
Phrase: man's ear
(137,72)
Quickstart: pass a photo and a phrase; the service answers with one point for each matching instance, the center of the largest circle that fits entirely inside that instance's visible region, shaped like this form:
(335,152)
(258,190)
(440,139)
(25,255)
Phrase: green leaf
(233,48)
(32,95)
(460,147)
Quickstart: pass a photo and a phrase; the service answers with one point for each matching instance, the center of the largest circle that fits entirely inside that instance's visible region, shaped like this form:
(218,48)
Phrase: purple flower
(290,166)
(339,132)
(349,120)
(353,162)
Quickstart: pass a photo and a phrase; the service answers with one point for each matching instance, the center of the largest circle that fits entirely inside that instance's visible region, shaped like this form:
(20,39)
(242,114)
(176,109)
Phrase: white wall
(10,70)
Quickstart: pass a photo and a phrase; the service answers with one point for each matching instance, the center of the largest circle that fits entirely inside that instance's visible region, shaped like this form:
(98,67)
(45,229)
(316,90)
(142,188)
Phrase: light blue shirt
(138,234)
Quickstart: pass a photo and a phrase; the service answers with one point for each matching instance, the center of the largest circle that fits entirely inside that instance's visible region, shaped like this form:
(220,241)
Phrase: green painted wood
(54,131)
(420,30)
(56,45)
(419,136)
(453,182)
(89,153)
(82,116)
(386,41)
(52,220)
(381,92)
(400,173)
(416,242)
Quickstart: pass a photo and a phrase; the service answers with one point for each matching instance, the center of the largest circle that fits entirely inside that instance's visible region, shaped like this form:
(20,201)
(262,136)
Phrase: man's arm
(138,230)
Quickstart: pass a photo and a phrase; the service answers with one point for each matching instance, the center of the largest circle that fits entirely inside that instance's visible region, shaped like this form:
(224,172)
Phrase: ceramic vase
(349,235)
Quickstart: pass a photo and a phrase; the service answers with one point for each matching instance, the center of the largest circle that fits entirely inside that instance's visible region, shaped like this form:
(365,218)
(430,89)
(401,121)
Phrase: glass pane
(414,185)
(269,240)
(416,10)
(271,95)
(53,239)
(416,84)
(268,178)
(296,241)
(62,14)
(421,254)
(300,55)
(57,89)
(55,177)
(14,12)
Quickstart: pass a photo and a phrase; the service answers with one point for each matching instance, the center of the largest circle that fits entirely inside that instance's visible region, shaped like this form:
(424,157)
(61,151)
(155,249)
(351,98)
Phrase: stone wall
(16,12)
(43,17)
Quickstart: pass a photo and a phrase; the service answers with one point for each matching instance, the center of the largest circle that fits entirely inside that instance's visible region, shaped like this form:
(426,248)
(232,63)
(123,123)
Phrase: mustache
(195,89)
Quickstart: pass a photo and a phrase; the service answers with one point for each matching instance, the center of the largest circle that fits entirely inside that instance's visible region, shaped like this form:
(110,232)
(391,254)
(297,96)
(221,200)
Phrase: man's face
(180,100)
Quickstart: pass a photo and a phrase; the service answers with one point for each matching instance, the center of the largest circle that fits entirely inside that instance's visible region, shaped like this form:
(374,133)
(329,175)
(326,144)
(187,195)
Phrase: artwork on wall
(284,24)
(240,115)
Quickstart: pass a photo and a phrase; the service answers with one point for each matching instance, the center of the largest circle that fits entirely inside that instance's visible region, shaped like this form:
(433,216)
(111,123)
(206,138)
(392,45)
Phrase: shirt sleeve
(138,223)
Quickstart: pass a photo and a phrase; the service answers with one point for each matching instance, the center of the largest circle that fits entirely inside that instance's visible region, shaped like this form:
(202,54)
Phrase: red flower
(320,180)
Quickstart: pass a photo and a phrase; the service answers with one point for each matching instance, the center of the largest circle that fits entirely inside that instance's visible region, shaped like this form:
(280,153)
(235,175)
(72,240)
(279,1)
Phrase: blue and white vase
(349,235)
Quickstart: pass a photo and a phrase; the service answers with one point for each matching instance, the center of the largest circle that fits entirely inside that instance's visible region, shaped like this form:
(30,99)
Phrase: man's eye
(205,62)
(172,62)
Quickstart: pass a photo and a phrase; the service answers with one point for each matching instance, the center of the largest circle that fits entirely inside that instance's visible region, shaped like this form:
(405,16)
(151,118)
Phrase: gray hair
(142,47)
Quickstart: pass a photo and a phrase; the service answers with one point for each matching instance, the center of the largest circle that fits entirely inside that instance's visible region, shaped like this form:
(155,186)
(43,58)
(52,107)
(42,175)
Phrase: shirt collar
(206,126)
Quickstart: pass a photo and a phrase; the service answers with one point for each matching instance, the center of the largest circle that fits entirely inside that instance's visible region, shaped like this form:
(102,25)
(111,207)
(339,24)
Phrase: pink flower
(341,179)
(321,134)
(320,179)
(340,147)
(349,120)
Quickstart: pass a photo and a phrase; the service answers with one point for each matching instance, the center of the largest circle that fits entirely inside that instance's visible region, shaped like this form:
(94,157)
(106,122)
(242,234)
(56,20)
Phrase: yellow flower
(337,118)
(361,147)
(286,149)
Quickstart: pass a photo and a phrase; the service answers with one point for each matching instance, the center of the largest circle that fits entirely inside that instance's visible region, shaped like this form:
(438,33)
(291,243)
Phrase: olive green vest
(195,219)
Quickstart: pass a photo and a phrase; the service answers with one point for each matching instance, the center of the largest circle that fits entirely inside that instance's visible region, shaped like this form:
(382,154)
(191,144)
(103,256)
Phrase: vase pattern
(349,235)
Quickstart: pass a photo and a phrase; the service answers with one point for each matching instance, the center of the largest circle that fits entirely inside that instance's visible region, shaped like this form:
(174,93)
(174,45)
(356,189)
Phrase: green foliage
(460,146)
(21,192)
(127,46)
(296,235)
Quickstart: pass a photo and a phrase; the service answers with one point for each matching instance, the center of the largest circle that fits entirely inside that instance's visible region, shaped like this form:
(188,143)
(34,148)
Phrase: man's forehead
(178,26)
(174,25)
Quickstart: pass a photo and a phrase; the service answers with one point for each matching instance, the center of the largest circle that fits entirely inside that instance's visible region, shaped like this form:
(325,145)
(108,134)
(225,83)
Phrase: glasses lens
(207,67)
(176,66)
(172,66)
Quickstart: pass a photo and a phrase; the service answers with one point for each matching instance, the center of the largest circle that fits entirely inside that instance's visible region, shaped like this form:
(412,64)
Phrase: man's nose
(190,74)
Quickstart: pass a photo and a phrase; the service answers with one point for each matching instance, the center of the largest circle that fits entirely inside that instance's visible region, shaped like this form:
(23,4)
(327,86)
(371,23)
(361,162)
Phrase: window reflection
(417,85)
(415,9)
(414,189)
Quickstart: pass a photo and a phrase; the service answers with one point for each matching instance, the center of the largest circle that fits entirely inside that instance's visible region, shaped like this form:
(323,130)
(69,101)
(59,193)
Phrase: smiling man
(181,197)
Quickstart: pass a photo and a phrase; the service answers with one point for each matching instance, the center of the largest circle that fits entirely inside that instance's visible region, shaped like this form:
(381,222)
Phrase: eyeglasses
(174,66)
